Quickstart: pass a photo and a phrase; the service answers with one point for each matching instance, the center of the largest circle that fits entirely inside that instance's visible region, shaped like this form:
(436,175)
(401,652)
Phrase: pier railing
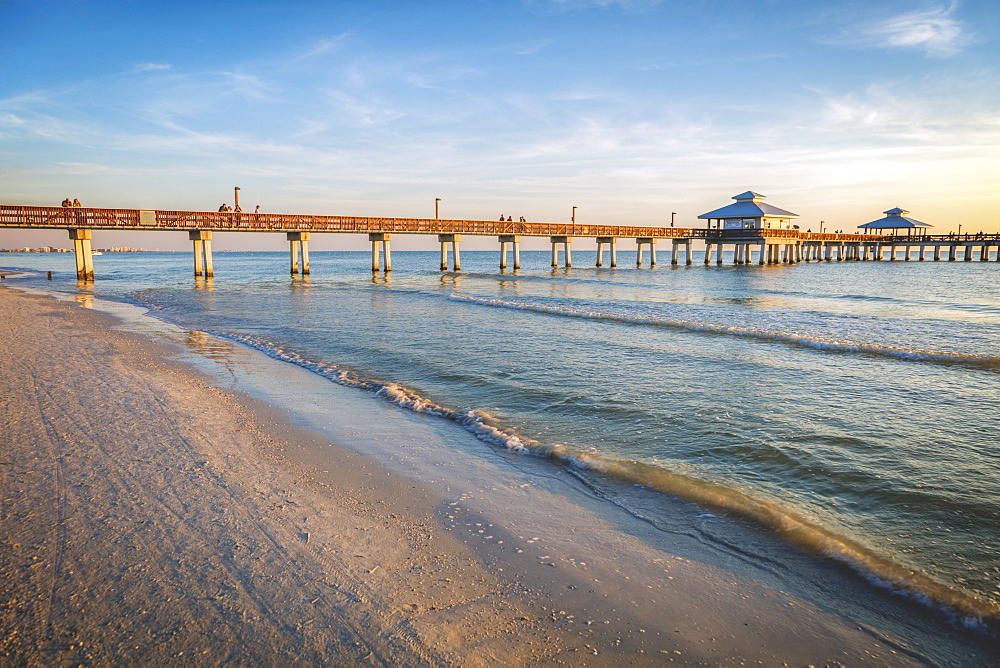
(135,219)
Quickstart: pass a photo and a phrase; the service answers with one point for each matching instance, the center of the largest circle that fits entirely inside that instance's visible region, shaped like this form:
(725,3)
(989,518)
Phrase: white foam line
(795,339)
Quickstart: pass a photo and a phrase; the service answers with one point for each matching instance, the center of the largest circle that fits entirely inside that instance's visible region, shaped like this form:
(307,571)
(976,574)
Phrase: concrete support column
(645,241)
(381,238)
(298,249)
(827,251)
(513,240)
(456,258)
(968,253)
(202,242)
(674,246)
(610,242)
(951,253)
(83,253)
(293,251)
(565,241)
(687,252)
(708,253)
(721,250)
(937,254)
(763,252)
(738,254)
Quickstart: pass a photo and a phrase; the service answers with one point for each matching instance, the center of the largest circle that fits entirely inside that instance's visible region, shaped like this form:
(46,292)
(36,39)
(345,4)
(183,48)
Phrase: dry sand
(149,516)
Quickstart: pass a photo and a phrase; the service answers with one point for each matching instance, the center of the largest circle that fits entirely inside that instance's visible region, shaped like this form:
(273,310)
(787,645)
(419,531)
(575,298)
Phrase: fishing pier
(761,240)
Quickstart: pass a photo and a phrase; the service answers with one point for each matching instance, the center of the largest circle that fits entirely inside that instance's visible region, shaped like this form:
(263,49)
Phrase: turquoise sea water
(851,408)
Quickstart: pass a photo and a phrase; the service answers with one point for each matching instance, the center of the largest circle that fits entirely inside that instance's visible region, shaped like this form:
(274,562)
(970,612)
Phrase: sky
(627,109)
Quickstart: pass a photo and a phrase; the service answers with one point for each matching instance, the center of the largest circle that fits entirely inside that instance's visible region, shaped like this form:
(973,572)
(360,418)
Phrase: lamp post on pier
(672,214)
(572,217)
(236,198)
(437,201)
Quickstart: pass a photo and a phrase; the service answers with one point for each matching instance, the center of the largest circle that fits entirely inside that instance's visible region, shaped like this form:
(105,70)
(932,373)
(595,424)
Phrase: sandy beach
(152,512)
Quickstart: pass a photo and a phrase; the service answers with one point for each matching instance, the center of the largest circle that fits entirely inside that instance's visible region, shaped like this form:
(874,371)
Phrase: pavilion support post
(383,238)
(83,253)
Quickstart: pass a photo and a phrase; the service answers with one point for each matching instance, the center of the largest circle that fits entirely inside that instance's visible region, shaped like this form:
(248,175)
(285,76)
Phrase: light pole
(821,226)
(572,218)
(236,198)
(437,200)
(672,214)
(960,229)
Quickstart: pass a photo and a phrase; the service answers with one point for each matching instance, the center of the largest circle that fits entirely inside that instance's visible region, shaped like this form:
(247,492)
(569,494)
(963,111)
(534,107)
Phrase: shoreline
(480,563)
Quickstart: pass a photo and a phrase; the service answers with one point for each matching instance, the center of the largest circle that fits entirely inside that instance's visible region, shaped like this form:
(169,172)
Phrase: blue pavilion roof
(895,220)
(748,205)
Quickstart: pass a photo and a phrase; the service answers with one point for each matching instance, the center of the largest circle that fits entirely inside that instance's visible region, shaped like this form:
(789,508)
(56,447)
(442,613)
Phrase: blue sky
(627,109)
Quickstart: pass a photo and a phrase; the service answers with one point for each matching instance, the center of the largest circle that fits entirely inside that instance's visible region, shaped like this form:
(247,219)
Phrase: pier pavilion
(897,219)
(752,222)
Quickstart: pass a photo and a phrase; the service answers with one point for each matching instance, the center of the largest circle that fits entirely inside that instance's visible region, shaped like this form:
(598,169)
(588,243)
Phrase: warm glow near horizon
(628,109)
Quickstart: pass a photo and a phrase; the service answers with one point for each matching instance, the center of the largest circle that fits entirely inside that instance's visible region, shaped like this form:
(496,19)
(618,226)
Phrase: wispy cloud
(601,4)
(149,67)
(935,31)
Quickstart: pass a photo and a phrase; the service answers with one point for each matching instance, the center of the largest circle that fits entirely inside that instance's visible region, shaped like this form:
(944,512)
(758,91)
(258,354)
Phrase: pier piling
(84,254)
(567,253)
(201,240)
(610,242)
(453,239)
(298,248)
(514,240)
(381,238)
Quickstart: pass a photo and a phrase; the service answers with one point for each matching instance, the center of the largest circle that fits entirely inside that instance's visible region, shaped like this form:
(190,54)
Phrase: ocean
(849,409)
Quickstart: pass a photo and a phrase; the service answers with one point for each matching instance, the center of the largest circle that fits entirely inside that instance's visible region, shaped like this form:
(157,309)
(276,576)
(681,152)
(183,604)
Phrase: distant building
(750,213)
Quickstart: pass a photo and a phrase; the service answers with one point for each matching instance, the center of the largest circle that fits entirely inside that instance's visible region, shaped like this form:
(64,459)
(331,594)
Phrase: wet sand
(150,513)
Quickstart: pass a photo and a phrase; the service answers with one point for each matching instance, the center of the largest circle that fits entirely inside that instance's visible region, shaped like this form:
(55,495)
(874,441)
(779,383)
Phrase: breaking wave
(795,529)
(817,343)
